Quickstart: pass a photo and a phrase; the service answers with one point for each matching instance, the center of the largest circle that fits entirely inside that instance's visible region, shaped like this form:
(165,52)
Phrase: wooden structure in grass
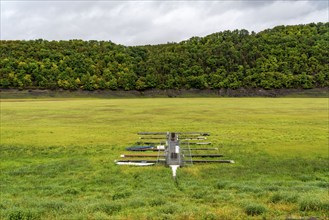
(173,150)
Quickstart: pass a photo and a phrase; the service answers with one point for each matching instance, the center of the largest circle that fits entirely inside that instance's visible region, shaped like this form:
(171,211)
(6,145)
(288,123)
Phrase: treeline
(283,57)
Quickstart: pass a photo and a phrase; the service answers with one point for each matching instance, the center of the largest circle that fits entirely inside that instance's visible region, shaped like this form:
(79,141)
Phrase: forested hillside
(282,57)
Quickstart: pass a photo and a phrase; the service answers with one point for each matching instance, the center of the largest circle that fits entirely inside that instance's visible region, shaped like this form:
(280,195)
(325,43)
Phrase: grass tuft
(169,209)
(157,202)
(221,185)
(23,214)
(272,188)
(209,216)
(136,203)
(313,204)
(71,191)
(121,195)
(254,209)
(306,178)
(54,205)
(323,184)
(284,197)
(199,195)
(108,208)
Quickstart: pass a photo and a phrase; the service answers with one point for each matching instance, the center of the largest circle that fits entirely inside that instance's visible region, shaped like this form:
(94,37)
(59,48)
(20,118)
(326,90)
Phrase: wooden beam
(141,155)
(142,161)
(187,149)
(211,161)
(152,133)
(204,155)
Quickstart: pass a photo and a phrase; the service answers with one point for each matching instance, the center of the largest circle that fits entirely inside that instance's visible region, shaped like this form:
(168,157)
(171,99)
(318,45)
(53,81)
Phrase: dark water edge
(181,93)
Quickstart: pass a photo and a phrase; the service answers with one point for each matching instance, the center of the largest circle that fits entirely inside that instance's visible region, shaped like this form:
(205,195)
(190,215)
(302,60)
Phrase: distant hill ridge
(282,57)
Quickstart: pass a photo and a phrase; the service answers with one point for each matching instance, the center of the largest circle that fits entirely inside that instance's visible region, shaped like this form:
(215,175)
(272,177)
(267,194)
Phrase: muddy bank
(242,92)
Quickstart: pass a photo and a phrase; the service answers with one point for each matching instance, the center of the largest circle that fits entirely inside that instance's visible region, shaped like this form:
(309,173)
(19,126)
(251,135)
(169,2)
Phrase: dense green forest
(282,57)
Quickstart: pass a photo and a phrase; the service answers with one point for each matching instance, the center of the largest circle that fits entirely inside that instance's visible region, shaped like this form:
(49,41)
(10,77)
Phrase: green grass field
(57,159)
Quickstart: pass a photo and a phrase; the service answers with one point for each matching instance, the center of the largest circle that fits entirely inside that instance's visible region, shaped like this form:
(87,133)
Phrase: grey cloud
(321,4)
(149,22)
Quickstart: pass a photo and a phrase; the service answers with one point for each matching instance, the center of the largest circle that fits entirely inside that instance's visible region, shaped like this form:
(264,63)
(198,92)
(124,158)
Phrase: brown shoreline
(241,92)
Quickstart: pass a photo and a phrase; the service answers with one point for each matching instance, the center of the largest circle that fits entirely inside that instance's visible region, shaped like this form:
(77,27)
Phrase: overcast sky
(149,22)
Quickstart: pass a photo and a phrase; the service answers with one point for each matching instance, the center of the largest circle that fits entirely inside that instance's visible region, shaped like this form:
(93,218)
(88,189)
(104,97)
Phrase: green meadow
(57,159)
